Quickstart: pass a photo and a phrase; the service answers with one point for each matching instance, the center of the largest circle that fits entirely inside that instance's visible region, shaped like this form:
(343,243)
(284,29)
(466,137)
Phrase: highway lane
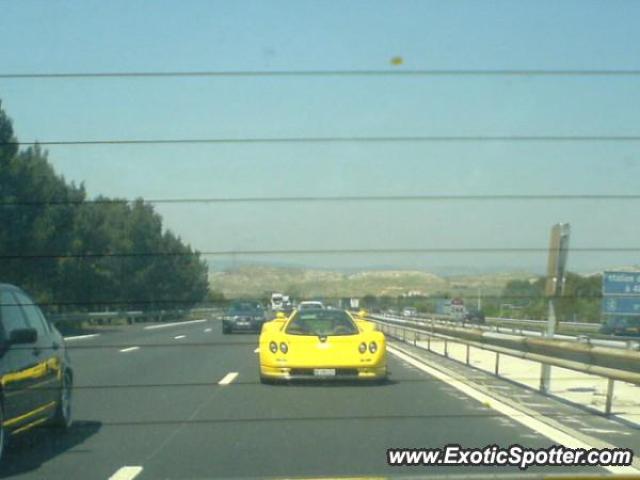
(160,407)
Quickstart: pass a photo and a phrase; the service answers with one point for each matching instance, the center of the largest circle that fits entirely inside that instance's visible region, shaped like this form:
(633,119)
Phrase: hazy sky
(90,36)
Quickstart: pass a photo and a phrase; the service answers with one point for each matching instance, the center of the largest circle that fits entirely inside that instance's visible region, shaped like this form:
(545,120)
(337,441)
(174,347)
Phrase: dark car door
(19,368)
(46,351)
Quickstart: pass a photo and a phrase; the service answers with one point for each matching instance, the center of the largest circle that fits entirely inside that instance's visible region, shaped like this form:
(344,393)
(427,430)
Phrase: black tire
(266,380)
(3,435)
(63,418)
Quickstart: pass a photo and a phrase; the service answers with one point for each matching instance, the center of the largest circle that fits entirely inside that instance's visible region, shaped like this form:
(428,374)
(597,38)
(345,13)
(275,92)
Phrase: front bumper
(307,373)
(250,326)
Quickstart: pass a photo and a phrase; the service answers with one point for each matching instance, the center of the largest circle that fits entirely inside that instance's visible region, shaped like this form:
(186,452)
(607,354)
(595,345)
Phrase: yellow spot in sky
(397,61)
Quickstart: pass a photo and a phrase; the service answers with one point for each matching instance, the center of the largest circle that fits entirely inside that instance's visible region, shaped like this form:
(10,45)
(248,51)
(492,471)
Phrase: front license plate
(324,372)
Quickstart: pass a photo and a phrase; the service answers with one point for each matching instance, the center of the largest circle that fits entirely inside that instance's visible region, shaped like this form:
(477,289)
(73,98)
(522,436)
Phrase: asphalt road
(160,407)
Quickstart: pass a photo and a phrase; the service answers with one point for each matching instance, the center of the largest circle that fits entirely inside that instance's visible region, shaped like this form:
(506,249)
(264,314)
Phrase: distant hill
(258,280)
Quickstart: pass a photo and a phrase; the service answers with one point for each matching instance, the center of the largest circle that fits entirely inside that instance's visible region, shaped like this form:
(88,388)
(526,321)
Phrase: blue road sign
(620,305)
(621,283)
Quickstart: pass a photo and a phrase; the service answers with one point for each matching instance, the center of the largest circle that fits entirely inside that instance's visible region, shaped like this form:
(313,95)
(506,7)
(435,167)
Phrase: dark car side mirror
(22,336)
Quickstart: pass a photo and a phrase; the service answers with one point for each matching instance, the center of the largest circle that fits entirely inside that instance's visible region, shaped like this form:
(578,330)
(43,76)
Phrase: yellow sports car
(322,345)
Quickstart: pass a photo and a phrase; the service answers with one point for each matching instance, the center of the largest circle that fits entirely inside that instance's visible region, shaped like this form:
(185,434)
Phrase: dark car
(34,367)
(243,317)
(474,316)
(621,326)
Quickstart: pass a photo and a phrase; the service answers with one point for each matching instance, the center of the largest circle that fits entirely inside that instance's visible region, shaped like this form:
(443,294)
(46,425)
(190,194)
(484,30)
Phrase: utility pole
(554,287)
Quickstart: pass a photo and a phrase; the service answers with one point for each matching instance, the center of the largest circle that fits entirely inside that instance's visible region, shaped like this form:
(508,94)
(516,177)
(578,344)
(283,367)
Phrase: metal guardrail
(130,316)
(600,361)
(514,322)
(516,330)
(542,324)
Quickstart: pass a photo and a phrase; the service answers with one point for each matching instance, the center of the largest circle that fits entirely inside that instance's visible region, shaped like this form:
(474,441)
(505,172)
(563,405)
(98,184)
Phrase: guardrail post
(545,374)
(446,348)
(497,366)
(468,348)
(429,342)
(415,338)
(609,400)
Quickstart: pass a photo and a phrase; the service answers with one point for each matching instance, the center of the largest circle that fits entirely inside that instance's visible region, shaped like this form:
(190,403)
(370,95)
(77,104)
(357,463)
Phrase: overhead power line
(334,139)
(399,72)
(330,198)
(339,251)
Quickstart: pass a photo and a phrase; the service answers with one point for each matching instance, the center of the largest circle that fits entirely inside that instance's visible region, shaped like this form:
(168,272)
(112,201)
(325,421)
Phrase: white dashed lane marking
(207,330)
(82,337)
(174,324)
(129,349)
(228,378)
(178,337)
(257,350)
(602,430)
(126,473)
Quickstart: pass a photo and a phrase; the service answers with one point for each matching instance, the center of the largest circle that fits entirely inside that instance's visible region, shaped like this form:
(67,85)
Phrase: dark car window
(245,307)
(10,313)
(34,317)
(321,323)
(310,306)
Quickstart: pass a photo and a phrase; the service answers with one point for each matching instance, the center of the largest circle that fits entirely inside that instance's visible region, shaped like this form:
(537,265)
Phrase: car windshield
(292,239)
(322,323)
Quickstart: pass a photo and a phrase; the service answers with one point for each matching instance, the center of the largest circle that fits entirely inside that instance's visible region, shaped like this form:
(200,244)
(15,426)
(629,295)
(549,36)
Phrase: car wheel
(266,380)
(3,435)
(63,417)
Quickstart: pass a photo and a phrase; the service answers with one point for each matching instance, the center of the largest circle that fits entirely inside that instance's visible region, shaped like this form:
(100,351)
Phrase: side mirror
(23,336)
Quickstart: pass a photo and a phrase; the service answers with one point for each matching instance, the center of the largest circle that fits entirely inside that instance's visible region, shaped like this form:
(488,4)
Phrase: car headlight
(273,346)
(284,348)
(362,348)
(373,347)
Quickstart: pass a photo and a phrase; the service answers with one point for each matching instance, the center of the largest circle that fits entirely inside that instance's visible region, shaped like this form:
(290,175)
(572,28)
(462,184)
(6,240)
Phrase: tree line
(72,253)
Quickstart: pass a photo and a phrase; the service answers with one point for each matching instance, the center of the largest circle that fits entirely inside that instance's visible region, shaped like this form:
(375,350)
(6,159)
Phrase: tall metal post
(545,369)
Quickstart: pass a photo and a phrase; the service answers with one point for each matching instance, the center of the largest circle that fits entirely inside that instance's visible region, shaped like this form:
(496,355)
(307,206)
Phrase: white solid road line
(129,349)
(528,421)
(126,473)
(228,378)
(174,324)
(82,337)
(178,337)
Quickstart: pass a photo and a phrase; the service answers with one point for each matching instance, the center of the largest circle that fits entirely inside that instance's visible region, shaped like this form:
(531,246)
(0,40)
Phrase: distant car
(245,316)
(629,326)
(36,372)
(322,345)
(409,312)
(310,305)
(474,316)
